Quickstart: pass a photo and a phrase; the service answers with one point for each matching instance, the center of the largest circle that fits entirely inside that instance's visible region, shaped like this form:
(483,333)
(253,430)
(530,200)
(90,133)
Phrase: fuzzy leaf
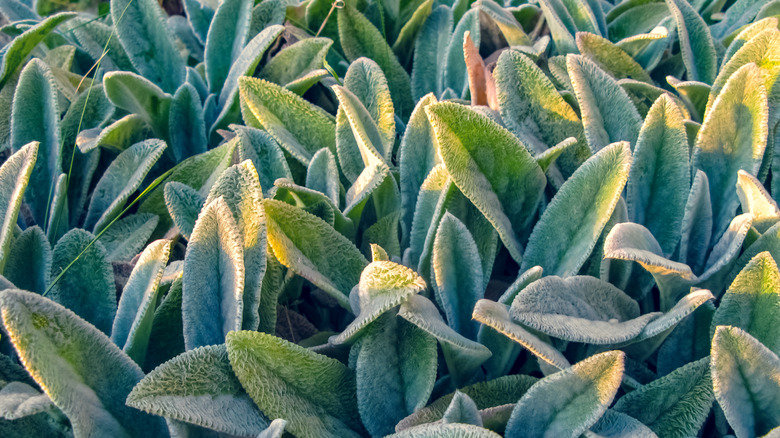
(73,362)
(296,60)
(610,57)
(87,288)
(19,400)
(752,302)
(457,269)
(482,159)
(675,405)
(732,137)
(35,117)
(122,178)
(567,403)
(322,174)
(383,285)
(433,39)
(314,393)
(697,224)
(314,250)
(139,26)
(265,153)
(240,188)
(614,424)
(607,112)
(454,75)
(463,356)
(696,45)
(533,109)
(755,200)
(93,36)
(274,430)
(186,125)
(14,177)
(299,127)
(746,382)
(225,39)
(28,263)
(445,430)
(371,143)
(199,387)
(184,204)
(462,409)
(138,95)
(117,136)
(166,340)
(213,281)
(135,313)
(128,236)
(15,53)
(568,230)
(657,187)
(395,370)
(360,38)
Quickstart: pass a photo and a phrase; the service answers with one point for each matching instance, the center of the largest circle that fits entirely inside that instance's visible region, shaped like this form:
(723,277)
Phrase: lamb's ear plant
(405,219)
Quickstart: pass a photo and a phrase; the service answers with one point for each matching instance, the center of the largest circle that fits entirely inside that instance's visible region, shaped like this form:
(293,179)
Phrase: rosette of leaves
(412,219)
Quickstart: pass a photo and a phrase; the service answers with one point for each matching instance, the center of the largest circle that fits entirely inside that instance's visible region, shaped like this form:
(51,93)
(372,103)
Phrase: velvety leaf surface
(696,43)
(314,393)
(14,177)
(199,387)
(755,199)
(448,430)
(462,409)
(138,95)
(184,204)
(213,281)
(571,224)
(76,365)
(295,61)
(186,125)
(127,236)
(28,263)
(433,39)
(265,153)
(225,40)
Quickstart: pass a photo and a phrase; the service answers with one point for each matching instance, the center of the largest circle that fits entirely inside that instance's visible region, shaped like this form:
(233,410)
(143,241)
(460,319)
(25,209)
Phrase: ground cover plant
(407,218)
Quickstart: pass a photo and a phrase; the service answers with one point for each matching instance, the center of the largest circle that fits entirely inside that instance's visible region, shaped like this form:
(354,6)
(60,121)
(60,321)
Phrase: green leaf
(675,405)
(610,57)
(580,309)
(186,125)
(213,280)
(752,302)
(454,74)
(313,250)
(395,371)
(14,177)
(567,232)
(533,109)
(689,341)
(198,172)
(744,376)
(482,159)
(322,174)
(127,236)
(737,15)
(275,429)
(240,188)
(407,36)
(117,136)
(746,35)
(122,178)
(360,38)
(732,137)
(314,393)
(696,45)
(417,156)
(35,117)
(28,263)
(166,339)
(755,200)
(445,430)
(462,409)
(562,27)
(225,40)
(696,224)
(496,316)
(17,50)
(299,127)
(265,153)
(244,65)
(73,362)
(383,285)
(140,27)
(607,112)
(195,387)
(296,60)
(138,95)
(614,424)
(135,313)
(87,288)
(462,355)
(658,183)
(433,39)
(567,403)
(457,270)
(184,204)
(93,36)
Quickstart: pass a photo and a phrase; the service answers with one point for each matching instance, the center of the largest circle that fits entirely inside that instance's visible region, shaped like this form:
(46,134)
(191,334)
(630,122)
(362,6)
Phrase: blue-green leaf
(433,39)
(14,177)
(696,45)
(74,362)
(87,288)
(186,125)
(213,280)
(454,74)
(140,27)
(184,205)
(568,230)
(265,153)
(322,174)
(28,263)
(225,40)
(297,60)
(127,236)
(445,430)
(138,95)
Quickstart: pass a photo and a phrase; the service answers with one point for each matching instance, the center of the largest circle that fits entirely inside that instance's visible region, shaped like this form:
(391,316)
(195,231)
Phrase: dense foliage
(417,218)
